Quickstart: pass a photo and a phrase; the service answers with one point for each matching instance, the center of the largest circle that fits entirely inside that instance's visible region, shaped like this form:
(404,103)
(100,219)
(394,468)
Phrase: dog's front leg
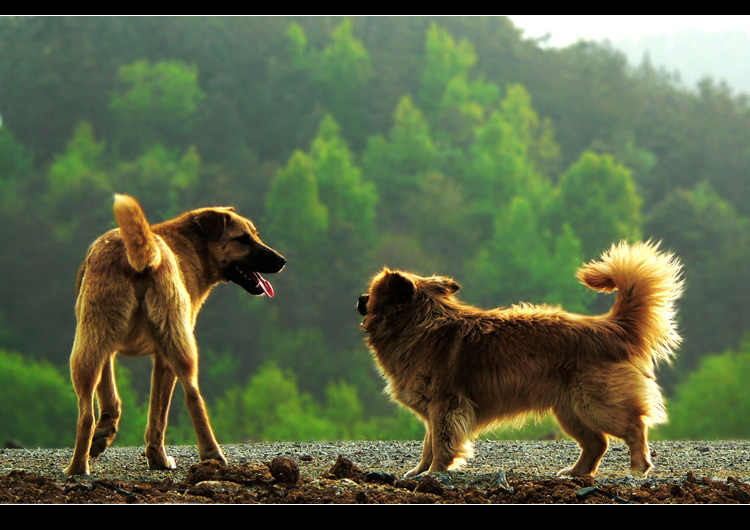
(163,382)
(451,424)
(426,461)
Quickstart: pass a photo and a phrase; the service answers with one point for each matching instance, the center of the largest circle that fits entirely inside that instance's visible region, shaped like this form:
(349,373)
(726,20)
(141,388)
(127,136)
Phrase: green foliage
(38,403)
(78,182)
(524,261)
(155,103)
(343,68)
(16,170)
(444,61)
(713,241)
(162,177)
(597,196)
(269,408)
(79,168)
(712,403)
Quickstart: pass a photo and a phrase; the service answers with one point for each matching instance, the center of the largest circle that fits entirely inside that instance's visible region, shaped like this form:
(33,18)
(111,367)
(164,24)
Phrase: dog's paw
(571,472)
(101,440)
(413,473)
(215,455)
(637,473)
(158,459)
(75,469)
(167,464)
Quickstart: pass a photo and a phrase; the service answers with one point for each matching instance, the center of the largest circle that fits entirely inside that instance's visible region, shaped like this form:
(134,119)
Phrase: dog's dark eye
(245,239)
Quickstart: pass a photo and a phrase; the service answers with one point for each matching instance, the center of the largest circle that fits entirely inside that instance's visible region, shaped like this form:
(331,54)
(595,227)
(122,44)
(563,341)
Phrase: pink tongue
(264,284)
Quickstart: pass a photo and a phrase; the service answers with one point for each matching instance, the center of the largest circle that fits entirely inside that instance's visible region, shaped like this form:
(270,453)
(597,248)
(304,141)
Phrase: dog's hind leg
(593,444)
(163,382)
(184,362)
(635,436)
(109,410)
(86,364)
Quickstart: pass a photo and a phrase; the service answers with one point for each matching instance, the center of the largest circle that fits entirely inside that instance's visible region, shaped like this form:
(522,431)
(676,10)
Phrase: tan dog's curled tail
(140,242)
(648,282)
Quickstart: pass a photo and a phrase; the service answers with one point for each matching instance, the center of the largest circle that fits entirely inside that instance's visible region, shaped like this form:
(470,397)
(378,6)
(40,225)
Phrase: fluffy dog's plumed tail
(648,282)
(140,242)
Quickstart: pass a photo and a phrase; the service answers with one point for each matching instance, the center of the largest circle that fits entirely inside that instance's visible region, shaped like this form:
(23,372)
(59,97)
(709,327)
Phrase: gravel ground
(512,464)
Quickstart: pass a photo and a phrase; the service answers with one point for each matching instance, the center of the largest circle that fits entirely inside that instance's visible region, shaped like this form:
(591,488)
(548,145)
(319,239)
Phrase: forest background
(449,145)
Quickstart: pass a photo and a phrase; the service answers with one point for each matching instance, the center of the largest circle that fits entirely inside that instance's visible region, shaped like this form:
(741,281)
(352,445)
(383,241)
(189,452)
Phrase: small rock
(381,477)
(584,493)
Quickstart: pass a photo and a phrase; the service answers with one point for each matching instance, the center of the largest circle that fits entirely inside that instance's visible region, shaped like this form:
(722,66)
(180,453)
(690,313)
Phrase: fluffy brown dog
(462,369)
(139,293)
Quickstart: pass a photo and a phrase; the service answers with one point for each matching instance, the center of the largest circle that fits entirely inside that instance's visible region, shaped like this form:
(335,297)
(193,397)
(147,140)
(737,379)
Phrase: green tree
(39,406)
(397,164)
(713,242)
(597,196)
(504,160)
(712,402)
(321,214)
(161,179)
(444,61)
(16,172)
(155,104)
(524,261)
(343,69)
(79,185)
(269,408)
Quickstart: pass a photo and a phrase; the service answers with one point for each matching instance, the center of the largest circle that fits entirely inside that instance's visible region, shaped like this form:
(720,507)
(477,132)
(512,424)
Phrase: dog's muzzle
(362,304)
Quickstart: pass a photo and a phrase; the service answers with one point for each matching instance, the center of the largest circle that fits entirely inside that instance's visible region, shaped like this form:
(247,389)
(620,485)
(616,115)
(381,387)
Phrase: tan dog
(462,369)
(139,293)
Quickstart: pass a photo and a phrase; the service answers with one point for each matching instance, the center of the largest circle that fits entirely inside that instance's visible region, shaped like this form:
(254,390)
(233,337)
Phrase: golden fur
(462,369)
(139,292)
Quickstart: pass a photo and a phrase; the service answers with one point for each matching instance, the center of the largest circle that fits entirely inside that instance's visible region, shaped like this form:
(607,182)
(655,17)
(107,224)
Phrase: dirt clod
(345,468)
(285,471)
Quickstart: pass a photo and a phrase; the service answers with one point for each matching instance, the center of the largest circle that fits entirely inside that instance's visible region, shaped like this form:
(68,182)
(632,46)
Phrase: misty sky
(566,29)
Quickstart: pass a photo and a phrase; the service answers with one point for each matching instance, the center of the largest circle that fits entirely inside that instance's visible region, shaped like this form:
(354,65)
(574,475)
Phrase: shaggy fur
(462,369)
(139,292)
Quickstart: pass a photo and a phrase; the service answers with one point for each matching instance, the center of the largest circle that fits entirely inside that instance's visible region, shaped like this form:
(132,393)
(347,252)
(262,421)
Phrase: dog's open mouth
(250,280)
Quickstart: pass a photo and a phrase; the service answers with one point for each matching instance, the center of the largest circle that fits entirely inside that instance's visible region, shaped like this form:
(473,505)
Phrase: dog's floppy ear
(212,223)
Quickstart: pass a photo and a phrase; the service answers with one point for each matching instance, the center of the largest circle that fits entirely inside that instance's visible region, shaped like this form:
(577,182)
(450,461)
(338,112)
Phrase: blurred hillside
(443,145)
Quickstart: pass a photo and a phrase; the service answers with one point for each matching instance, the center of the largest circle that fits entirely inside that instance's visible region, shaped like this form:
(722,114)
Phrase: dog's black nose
(362,304)
(282,262)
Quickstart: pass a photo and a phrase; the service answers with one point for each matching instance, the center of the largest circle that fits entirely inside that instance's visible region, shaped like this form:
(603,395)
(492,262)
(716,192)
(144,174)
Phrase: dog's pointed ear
(212,223)
(452,286)
(399,284)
